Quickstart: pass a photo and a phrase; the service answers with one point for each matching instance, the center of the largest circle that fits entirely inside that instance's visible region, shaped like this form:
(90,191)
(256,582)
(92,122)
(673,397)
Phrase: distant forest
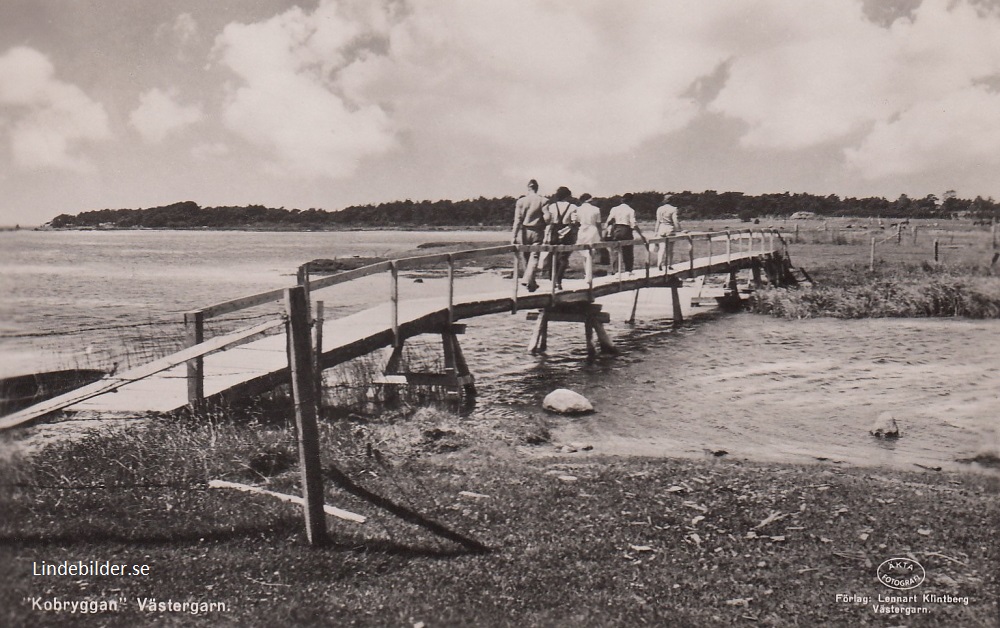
(498,212)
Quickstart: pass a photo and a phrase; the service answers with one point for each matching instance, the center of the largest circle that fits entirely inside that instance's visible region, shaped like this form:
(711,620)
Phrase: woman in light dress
(589,217)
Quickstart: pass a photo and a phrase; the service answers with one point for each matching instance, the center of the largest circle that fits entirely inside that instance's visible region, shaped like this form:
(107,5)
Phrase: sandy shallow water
(795,391)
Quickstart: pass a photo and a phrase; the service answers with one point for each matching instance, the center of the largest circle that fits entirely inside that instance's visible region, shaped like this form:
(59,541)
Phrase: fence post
(621,262)
(899,234)
(302,278)
(451,290)
(304,395)
(915,229)
(691,252)
(729,248)
(554,257)
(394,302)
(936,249)
(648,254)
(871,257)
(796,233)
(517,279)
(318,352)
(194,326)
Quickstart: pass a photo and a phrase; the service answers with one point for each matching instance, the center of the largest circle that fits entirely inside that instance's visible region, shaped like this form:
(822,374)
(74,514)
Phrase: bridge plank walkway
(238,364)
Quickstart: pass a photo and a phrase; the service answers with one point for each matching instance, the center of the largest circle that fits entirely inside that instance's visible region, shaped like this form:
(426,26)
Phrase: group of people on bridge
(563,219)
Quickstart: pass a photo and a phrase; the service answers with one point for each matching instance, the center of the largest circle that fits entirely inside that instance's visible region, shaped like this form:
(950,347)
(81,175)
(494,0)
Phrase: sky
(329,103)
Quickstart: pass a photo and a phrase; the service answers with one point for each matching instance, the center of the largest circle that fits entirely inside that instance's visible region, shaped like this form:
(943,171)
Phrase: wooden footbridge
(258,358)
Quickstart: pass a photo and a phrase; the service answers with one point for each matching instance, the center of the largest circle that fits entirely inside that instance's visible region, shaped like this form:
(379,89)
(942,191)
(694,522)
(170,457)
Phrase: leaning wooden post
(304,395)
(394,302)
(871,257)
(194,325)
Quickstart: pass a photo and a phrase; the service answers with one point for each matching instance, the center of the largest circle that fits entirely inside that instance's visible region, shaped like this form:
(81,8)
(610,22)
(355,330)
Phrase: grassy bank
(573,540)
(897,290)
(902,279)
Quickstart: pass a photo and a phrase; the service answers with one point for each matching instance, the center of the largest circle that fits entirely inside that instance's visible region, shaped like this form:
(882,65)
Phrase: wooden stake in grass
(304,393)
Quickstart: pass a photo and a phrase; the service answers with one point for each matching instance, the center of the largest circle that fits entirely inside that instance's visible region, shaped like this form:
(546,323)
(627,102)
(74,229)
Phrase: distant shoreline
(269,229)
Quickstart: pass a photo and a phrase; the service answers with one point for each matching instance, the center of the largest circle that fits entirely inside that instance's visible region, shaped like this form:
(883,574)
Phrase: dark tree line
(498,212)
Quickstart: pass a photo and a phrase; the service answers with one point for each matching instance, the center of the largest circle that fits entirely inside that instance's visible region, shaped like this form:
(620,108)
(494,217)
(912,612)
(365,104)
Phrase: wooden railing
(740,242)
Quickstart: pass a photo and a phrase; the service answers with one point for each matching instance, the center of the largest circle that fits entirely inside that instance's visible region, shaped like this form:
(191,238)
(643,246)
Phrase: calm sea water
(753,386)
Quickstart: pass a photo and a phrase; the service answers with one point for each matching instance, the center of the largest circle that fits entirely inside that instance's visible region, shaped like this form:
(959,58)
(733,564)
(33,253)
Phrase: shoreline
(570,540)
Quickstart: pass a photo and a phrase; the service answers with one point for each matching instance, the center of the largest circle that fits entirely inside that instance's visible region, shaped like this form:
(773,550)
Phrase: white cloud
(556,86)
(540,85)
(45,118)
(159,114)
(289,100)
(962,128)
(819,72)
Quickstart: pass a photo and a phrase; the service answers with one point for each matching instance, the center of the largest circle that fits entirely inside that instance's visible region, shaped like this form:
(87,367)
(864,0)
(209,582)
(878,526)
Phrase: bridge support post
(589,314)
(755,271)
(731,301)
(675,302)
(300,364)
(540,336)
(194,324)
(456,370)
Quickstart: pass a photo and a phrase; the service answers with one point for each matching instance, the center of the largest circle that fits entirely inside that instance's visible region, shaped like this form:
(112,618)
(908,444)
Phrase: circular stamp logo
(901,573)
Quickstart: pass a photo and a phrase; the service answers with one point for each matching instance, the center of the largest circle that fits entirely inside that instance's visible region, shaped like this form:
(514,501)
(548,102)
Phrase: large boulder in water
(885,426)
(565,401)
